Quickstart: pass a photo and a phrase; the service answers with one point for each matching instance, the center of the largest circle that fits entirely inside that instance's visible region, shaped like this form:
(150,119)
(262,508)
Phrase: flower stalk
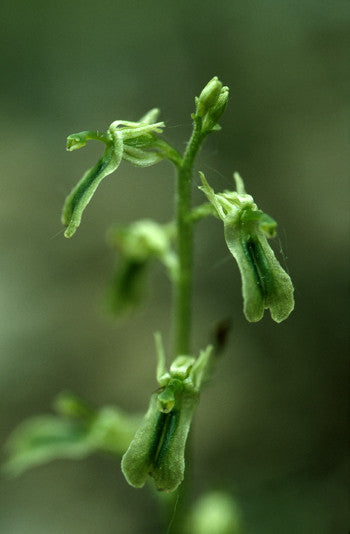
(183,288)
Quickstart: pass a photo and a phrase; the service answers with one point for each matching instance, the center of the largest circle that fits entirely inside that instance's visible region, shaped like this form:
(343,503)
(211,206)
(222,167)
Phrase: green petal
(137,461)
(82,193)
(141,158)
(150,117)
(279,297)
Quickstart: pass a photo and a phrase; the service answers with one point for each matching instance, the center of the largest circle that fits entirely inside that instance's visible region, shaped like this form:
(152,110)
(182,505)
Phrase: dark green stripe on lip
(260,265)
(92,174)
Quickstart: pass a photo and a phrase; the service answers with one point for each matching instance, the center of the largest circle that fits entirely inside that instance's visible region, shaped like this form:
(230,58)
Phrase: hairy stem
(183,287)
(169,152)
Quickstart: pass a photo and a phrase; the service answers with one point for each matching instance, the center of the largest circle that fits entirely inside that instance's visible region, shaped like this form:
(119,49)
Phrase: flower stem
(183,287)
(169,152)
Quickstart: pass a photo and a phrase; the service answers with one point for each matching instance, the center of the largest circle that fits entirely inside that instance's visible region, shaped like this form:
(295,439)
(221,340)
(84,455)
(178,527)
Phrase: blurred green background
(271,427)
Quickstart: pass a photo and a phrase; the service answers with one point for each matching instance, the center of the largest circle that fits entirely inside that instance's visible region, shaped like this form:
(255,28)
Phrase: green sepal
(150,117)
(83,192)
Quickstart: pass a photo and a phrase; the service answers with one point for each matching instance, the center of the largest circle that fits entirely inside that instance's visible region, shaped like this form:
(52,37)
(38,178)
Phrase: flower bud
(214,114)
(208,97)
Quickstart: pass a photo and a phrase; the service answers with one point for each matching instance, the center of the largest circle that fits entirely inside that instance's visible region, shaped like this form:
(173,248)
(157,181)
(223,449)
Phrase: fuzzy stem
(183,287)
(168,152)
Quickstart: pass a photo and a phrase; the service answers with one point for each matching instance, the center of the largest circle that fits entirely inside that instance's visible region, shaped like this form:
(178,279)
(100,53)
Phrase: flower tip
(69,232)
(209,96)
(239,183)
(280,312)
(74,142)
(202,177)
(151,116)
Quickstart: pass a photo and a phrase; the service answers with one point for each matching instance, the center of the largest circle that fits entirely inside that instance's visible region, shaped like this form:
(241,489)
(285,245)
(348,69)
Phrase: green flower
(133,141)
(158,448)
(139,243)
(264,283)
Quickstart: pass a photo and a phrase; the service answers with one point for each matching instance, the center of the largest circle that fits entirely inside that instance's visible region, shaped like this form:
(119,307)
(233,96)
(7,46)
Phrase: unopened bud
(208,97)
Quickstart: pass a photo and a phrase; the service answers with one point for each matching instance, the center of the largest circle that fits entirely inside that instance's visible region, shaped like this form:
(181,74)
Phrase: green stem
(183,287)
(169,152)
(98,136)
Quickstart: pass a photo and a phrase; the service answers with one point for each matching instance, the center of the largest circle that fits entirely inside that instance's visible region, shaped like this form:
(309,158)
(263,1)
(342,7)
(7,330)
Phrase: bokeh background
(271,426)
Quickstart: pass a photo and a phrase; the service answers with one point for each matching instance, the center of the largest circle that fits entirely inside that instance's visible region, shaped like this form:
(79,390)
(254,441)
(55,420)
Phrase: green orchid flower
(158,448)
(135,142)
(265,285)
(139,243)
